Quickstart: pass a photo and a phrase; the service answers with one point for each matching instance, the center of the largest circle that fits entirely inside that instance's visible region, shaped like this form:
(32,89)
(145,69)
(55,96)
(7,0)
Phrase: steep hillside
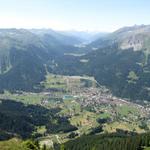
(124,72)
(109,142)
(64,39)
(121,66)
(23,56)
(136,37)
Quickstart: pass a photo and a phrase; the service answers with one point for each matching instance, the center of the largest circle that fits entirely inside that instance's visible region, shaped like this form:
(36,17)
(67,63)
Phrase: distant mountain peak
(136,37)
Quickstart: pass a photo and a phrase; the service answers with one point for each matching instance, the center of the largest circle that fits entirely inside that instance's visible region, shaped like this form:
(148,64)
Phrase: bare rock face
(134,41)
(136,37)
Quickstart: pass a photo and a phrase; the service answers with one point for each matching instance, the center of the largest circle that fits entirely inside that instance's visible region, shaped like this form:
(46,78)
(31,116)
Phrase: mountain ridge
(123,69)
(136,37)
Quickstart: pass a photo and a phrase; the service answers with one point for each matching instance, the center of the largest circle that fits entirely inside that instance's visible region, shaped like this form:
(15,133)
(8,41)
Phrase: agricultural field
(7,145)
(24,97)
(17,144)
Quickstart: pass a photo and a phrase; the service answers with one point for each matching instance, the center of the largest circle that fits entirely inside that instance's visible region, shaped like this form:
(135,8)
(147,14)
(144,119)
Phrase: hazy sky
(100,15)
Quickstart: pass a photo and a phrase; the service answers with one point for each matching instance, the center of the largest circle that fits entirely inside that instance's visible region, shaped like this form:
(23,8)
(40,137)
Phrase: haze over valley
(74,75)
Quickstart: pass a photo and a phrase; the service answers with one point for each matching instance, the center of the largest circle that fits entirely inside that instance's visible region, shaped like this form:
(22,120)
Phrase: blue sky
(92,15)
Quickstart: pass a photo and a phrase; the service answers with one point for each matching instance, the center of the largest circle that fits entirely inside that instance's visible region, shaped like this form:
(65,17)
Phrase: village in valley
(90,107)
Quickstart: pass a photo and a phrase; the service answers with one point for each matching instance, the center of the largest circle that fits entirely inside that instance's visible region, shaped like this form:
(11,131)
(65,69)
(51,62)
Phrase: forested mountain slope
(119,60)
(23,55)
(109,142)
(120,65)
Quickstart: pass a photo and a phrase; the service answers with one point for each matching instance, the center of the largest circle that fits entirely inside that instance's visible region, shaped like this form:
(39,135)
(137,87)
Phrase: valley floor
(84,106)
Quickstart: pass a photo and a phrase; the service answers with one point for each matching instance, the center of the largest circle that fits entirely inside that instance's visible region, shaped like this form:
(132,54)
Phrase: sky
(90,15)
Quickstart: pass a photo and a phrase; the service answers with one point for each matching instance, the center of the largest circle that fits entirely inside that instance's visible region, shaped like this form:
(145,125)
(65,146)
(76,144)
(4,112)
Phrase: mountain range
(118,60)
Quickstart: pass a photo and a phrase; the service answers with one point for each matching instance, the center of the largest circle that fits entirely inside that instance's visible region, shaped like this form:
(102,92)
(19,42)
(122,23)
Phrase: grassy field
(125,110)
(27,98)
(13,144)
(67,83)
(54,81)
(111,127)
